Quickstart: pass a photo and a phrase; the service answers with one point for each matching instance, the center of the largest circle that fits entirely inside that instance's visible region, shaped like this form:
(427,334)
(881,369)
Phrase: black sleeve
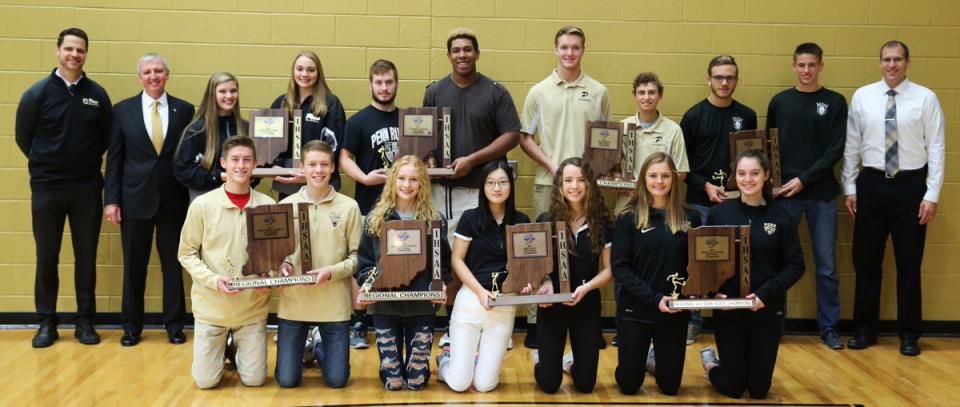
(467,224)
(791,257)
(621,258)
(366,255)
(823,166)
(687,125)
(772,114)
(446,272)
(26,125)
(352,139)
(428,98)
(106,121)
(115,156)
(506,115)
(186,167)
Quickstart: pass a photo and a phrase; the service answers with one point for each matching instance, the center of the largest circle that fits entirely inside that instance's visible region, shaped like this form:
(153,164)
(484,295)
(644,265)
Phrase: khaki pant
(209,344)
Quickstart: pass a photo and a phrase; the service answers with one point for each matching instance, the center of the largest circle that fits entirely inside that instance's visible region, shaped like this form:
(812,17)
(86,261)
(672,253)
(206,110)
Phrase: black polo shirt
(584,265)
(487,253)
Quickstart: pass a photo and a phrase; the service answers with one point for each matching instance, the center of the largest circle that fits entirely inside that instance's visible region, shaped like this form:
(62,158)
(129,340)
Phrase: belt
(919,172)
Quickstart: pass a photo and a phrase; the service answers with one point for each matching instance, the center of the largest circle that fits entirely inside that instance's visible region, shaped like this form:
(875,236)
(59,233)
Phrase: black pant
(670,340)
(747,348)
(888,207)
(83,206)
(583,323)
(137,236)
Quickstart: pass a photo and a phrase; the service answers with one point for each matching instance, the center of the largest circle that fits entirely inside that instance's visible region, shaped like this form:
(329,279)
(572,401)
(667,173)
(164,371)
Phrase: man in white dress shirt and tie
(893,166)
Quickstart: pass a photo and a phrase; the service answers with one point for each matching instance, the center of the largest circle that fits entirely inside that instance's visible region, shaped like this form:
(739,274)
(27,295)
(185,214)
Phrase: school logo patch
(91,102)
(334,219)
(770,228)
(822,108)
(311,118)
(737,123)
(686,226)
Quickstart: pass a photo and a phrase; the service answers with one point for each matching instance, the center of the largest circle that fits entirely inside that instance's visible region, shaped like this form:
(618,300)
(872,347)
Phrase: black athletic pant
(82,206)
(137,236)
(583,324)
(670,340)
(747,349)
(888,206)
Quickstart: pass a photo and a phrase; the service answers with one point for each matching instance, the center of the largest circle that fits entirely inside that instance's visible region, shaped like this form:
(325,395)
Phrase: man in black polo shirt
(63,122)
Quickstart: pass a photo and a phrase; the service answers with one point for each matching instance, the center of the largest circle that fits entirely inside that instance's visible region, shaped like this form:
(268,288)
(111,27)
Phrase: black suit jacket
(137,177)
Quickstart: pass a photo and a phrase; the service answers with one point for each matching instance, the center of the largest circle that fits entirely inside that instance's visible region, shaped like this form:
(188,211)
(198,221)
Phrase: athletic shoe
(535,356)
(510,344)
(530,341)
(444,340)
(358,336)
(567,364)
(442,359)
(693,333)
(832,340)
(614,341)
(651,364)
(309,347)
(708,357)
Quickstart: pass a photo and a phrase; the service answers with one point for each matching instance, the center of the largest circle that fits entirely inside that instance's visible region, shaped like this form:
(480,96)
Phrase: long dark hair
(594,209)
(483,205)
(761,157)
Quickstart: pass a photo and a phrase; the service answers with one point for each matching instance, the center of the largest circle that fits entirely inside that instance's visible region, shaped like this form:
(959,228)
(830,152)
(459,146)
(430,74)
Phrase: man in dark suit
(141,194)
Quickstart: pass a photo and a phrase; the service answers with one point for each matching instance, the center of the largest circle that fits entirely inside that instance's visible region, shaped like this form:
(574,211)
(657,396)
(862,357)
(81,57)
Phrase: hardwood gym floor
(156,373)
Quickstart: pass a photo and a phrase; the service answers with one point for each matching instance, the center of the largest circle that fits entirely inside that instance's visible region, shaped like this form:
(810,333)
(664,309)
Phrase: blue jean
(399,368)
(335,347)
(822,222)
(695,318)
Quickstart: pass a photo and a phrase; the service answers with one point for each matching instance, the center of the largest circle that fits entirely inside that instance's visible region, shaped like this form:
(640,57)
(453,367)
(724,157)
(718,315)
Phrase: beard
(383,101)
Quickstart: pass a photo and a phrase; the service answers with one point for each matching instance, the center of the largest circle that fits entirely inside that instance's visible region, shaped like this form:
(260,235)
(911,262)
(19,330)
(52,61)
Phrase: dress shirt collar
(148,101)
(65,81)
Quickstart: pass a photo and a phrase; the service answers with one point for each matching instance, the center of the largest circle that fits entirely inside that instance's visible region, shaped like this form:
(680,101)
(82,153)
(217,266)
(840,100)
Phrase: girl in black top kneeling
(749,339)
(650,246)
(575,200)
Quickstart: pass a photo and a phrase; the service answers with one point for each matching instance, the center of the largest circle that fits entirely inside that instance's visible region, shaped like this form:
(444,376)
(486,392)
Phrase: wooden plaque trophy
(767,141)
(609,149)
(713,259)
(403,255)
(530,260)
(425,132)
(269,129)
(270,239)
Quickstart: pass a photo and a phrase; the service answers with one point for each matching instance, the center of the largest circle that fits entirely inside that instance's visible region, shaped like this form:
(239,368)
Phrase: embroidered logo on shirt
(334,219)
(737,123)
(91,102)
(645,230)
(658,140)
(770,228)
(686,226)
(822,108)
(311,118)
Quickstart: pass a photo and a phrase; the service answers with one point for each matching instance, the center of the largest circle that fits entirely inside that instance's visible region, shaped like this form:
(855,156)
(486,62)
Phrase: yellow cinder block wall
(257,40)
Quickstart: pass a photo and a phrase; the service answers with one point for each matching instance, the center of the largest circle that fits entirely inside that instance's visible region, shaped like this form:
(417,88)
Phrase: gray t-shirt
(480,112)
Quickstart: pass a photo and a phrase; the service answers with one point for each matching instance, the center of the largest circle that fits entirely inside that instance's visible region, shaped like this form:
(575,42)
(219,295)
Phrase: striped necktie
(892,162)
(156,126)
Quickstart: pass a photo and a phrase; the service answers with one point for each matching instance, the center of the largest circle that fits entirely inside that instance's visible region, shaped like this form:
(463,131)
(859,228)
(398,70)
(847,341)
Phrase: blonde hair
(320,89)
(207,112)
(641,201)
(423,208)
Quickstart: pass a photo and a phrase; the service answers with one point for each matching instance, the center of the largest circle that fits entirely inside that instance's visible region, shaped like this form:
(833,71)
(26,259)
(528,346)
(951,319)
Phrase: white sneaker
(442,359)
(708,357)
(535,356)
(567,363)
(651,364)
(309,348)
(510,344)
(444,340)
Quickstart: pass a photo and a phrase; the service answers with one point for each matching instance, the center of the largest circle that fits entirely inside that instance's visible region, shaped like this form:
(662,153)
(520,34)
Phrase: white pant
(478,343)
(209,344)
(452,202)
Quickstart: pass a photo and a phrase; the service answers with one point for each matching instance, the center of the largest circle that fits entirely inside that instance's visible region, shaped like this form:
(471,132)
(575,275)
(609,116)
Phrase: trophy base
(614,184)
(726,303)
(439,172)
(243,284)
(276,172)
(513,299)
(402,296)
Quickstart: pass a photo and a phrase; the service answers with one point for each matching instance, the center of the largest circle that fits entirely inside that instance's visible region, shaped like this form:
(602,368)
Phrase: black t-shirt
(371,135)
(813,129)
(480,112)
(487,253)
(583,264)
(706,133)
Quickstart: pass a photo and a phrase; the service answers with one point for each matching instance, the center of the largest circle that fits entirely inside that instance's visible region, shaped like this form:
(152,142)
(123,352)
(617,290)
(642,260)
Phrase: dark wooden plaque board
(270,237)
(603,149)
(426,130)
(269,146)
(713,257)
(526,264)
(403,252)
(767,141)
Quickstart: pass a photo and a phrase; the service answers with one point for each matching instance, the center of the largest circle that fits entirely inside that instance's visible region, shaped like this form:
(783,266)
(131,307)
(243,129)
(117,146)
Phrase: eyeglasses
(721,78)
(503,184)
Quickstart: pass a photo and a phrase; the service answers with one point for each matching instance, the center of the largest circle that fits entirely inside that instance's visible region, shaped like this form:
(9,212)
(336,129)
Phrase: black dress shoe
(530,341)
(46,336)
(130,338)
(861,341)
(86,334)
(909,347)
(176,336)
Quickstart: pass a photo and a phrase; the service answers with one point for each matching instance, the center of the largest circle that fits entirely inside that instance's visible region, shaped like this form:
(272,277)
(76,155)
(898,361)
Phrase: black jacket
(312,128)
(137,177)
(642,259)
(775,255)
(368,256)
(187,160)
(64,134)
